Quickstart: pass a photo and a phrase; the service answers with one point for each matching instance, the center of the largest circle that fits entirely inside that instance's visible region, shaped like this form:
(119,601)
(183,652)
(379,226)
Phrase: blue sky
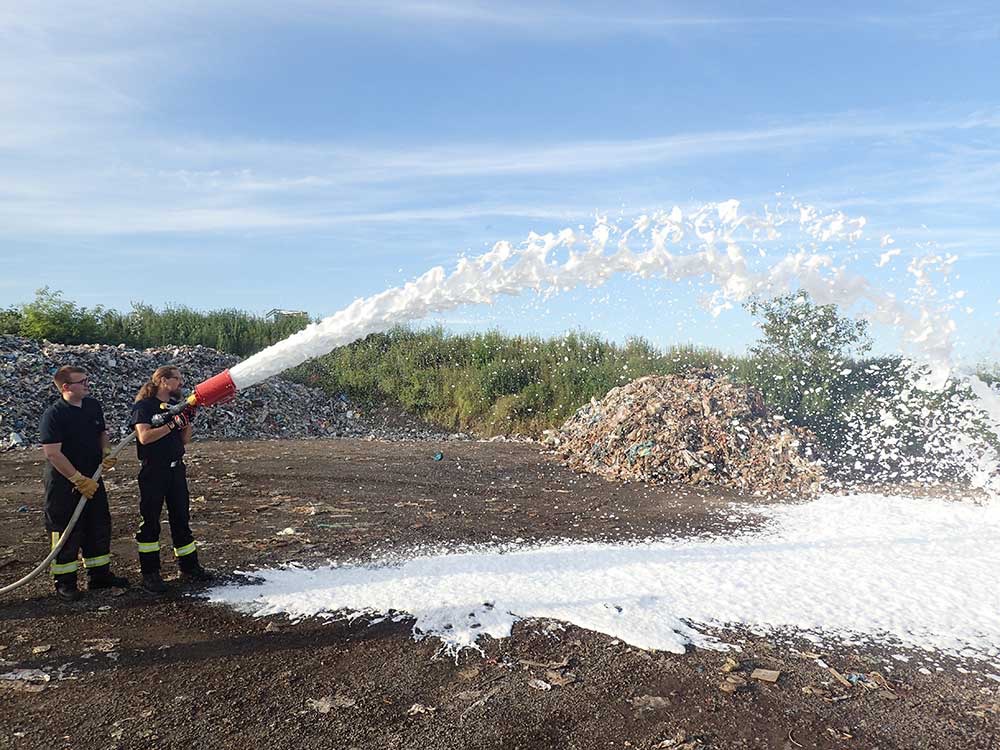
(302,154)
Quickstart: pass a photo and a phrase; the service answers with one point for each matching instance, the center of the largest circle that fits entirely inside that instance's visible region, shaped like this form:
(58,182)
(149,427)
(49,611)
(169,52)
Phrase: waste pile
(699,428)
(276,408)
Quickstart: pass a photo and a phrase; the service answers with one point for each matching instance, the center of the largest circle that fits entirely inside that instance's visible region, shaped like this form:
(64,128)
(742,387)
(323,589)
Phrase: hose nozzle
(216,390)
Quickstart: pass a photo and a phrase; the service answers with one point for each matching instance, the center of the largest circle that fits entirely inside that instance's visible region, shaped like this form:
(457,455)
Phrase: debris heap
(276,408)
(700,429)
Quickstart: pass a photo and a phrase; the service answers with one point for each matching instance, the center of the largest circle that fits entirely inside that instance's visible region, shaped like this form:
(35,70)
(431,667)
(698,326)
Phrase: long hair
(151,386)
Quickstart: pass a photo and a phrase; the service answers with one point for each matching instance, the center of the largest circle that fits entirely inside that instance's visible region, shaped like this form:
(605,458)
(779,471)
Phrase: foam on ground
(906,572)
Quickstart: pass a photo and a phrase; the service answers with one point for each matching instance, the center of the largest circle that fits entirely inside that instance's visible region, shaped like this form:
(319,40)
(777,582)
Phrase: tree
(51,317)
(794,326)
(10,321)
(805,364)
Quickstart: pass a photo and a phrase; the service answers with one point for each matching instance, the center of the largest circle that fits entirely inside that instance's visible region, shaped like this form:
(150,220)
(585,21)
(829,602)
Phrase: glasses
(85,381)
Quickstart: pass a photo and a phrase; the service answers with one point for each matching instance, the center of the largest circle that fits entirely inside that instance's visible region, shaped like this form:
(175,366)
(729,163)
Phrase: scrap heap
(276,408)
(699,428)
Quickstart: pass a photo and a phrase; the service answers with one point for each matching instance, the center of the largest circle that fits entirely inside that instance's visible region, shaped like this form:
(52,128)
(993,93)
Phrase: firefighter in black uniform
(163,478)
(75,441)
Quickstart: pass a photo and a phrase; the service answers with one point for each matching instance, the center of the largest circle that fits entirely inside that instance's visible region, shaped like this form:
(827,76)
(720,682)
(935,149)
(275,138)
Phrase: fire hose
(217,389)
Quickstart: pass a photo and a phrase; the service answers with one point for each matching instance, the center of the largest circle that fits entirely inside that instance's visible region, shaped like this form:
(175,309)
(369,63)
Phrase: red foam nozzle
(217,389)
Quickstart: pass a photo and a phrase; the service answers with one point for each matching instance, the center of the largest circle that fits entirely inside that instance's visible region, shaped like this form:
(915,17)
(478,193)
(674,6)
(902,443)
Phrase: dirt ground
(130,670)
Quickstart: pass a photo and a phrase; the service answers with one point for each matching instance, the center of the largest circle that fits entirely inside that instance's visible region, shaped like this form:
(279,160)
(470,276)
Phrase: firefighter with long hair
(163,479)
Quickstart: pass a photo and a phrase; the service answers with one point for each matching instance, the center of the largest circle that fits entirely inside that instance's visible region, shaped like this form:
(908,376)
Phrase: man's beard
(176,393)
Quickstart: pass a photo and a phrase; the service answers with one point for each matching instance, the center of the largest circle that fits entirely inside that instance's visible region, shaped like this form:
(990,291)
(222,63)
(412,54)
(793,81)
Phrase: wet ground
(130,670)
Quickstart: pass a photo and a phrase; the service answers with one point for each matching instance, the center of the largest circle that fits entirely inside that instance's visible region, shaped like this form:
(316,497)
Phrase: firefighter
(74,439)
(163,478)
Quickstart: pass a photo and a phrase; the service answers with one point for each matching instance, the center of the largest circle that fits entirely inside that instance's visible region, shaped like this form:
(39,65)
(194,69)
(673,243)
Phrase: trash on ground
(276,408)
(680,741)
(25,680)
(322,705)
(839,677)
(650,702)
(420,708)
(560,679)
(700,429)
(733,683)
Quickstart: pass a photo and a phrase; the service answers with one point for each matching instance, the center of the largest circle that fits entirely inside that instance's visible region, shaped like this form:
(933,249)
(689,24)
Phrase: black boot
(152,582)
(191,570)
(101,578)
(66,588)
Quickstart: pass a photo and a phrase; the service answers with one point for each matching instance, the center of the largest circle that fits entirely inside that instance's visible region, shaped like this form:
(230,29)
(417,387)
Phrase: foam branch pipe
(217,389)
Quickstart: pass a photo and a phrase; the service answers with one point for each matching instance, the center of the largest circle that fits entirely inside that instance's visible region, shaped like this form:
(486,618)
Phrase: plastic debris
(560,679)
(839,677)
(420,708)
(102,645)
(650,702)
(25,680)
(700,429)
(680,741)
(344,701)
(733,683)
(320,706)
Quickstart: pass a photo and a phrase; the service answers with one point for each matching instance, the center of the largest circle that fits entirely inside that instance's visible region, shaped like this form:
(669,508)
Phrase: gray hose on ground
(69,527)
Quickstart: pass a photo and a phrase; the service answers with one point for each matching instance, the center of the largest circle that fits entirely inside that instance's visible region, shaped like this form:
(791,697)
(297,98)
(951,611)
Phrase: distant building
(275,315)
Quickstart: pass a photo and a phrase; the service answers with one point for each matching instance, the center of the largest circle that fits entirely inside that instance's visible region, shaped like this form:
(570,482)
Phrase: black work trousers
(91,534)
(159,483)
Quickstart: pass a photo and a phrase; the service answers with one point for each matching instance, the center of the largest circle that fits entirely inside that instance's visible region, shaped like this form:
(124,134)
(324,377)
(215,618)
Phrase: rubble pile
(700,429)
(276,408)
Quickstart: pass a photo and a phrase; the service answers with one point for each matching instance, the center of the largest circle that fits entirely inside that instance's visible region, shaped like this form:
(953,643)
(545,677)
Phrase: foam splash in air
(712,244)
(713,237)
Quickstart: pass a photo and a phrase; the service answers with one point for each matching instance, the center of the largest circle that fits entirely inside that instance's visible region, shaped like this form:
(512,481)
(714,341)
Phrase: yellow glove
(108,463)
(86,485)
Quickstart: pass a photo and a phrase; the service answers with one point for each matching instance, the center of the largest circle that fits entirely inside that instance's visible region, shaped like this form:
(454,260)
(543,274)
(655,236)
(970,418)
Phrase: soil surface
(133,670)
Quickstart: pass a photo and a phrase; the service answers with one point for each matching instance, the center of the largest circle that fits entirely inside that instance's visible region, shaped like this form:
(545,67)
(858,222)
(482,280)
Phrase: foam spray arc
(707,242)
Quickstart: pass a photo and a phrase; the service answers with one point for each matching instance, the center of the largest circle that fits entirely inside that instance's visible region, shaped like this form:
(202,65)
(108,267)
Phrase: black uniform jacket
(168,448)
(79,430)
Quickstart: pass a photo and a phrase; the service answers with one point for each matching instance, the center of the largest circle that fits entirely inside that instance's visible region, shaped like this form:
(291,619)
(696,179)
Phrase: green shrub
(50,316)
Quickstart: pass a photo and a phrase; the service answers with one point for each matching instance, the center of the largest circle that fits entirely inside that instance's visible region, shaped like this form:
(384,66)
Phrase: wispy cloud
(83,150)
(561,19)
(159,185)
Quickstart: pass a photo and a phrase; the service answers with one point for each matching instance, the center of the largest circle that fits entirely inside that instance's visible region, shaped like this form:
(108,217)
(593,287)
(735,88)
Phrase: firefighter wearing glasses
(163,479)
(75,441)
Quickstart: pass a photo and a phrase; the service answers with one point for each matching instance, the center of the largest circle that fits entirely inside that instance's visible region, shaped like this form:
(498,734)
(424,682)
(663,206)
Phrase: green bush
(492,383)
(50,316)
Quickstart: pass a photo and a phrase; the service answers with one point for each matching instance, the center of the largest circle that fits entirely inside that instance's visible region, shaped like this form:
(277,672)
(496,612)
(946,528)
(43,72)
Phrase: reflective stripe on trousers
(57,569)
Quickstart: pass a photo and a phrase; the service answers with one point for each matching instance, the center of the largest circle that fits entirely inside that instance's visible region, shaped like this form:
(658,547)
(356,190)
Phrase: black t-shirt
(79,430)
(168,448)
